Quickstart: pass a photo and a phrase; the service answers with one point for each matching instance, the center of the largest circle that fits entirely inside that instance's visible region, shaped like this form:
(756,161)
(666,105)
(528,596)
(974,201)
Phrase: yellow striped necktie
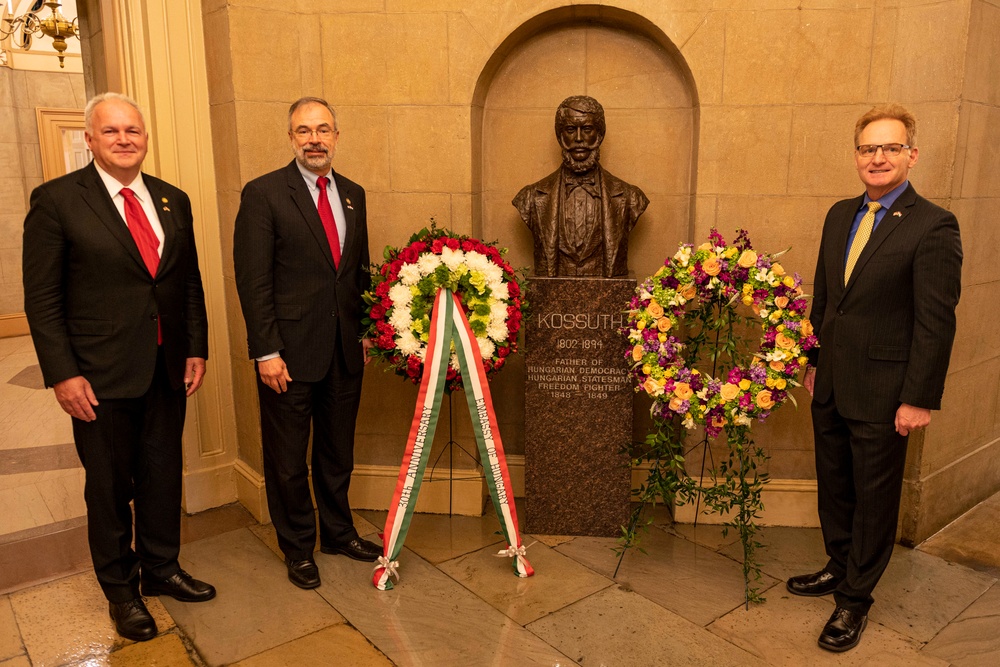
(861,238)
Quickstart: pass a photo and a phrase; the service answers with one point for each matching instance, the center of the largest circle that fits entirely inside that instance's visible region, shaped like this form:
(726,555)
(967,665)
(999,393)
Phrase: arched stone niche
(650,101)
(633,69)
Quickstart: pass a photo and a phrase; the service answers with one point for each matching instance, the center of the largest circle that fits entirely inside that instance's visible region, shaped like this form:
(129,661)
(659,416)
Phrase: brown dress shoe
(843,631)
(132,620)
(303,573)
(813,585)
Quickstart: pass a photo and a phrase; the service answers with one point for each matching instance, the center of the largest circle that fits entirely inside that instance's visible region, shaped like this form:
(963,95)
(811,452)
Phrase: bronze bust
(580,215)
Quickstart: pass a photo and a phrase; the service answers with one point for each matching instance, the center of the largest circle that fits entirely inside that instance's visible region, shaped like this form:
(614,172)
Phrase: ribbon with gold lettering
(449,325)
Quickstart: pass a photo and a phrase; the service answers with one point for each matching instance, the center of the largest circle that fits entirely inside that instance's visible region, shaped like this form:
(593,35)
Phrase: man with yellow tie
(887,283)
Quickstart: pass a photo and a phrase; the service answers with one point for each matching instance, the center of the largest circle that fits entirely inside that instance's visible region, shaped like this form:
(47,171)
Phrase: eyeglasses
(306,133)
(888,150)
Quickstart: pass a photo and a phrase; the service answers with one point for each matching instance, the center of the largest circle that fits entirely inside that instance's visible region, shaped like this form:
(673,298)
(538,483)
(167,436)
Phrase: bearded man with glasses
(887,284)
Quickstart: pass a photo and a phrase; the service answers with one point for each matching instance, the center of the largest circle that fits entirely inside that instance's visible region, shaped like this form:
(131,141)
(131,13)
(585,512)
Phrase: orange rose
(663,324)
(778,366)
(729,391)
(781,301)
(655,310)
(683,391)
(675,404)
(637,353)
(806,328)
(711,266)
(764,400)
(747,259)
(652,387)
(778,269)
(784,342)
(688,291)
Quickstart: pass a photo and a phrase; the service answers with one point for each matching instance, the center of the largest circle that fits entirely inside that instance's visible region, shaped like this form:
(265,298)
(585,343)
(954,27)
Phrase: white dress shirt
(138,187)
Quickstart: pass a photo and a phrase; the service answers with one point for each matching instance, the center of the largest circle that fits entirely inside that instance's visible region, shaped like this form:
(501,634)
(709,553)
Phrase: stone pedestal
(578,407)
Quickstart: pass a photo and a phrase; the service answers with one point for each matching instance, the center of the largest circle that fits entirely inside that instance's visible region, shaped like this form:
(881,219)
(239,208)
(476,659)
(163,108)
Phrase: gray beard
(581,167)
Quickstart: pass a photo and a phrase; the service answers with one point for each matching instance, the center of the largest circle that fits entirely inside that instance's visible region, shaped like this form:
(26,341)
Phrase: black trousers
(859,474)
(330,406)
(132,453)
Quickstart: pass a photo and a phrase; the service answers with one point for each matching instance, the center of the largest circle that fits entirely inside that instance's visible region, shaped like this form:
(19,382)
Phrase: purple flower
(758,374)
(714,386)
(745,401)
(769,337)
(809,342)
(734,376)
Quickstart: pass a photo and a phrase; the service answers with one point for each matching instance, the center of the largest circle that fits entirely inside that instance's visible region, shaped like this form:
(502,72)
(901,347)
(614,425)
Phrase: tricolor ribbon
(449,325)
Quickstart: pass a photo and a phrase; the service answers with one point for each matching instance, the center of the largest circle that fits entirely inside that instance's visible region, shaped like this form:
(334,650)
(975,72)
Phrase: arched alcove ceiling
(653,134)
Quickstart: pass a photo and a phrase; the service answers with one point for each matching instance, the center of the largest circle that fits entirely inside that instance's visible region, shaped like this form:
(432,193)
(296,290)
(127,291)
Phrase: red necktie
(145,240)
(329,224)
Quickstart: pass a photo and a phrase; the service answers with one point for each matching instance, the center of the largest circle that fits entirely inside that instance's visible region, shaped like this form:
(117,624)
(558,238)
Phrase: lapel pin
(347,199)
(897,214)
(164,200)
(165,208)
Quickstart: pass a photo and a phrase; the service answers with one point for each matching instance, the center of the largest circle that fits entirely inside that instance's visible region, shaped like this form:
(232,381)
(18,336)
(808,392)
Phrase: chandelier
(21,30)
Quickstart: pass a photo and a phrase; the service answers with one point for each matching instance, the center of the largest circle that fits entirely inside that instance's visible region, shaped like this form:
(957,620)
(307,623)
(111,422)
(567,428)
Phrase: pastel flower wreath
(729,275)
(398,305)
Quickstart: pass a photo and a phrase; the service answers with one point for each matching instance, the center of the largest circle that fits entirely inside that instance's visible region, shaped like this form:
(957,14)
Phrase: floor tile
(707,535)
(558,581)
(66,621)
(428,619)
(971,539)
(439,537)
(679,575)
(215,521)
(920,594)
(553,540)
(265,533)
(973,639)
(783,632)
(256,609)
(620,627)
(19,661)
(336,645)
(165,651)
(786,552)
(10,637)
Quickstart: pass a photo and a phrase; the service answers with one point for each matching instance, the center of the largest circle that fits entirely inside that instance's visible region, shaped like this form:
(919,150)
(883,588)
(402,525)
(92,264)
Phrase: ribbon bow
(390,566)
(512,551)
(587,183)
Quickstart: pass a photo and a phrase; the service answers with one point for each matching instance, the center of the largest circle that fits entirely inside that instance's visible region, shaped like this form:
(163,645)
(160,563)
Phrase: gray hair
(302,101)
(88,112)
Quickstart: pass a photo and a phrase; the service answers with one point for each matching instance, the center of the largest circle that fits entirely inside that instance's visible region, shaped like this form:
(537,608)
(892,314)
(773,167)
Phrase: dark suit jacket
(621,203)
(92,305)
(293,299)
(885,338)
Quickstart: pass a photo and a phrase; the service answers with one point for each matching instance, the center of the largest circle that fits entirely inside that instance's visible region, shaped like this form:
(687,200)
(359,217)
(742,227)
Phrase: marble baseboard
(15,324)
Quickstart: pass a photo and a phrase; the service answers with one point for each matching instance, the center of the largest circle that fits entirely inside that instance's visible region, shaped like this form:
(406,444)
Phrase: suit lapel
(890,221)
(304,201)
(168,221)
(95,194)
(350,217)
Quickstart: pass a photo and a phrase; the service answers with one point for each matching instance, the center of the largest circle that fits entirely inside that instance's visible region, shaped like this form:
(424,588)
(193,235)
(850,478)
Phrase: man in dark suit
(301,257)
(887,283)
(115,305)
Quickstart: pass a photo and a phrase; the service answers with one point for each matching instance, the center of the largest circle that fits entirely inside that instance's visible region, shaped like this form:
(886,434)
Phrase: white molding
(250,491)
(373,487)
(14,324)
(209,487)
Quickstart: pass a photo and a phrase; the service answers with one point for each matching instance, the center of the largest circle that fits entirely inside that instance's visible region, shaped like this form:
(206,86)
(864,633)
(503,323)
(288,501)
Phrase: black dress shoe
(303,573)
(132,620)
(180,586)
(813,585)
(843,631)
(358,549)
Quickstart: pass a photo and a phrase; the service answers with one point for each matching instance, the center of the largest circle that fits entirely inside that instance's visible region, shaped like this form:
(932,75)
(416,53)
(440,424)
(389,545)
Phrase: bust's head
(580,130)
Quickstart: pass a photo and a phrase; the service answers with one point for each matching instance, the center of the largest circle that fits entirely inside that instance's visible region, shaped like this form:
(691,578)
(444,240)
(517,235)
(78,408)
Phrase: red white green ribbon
(448,325)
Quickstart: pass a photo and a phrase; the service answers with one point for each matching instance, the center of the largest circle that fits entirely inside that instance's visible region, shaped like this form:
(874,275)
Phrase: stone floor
(458,604)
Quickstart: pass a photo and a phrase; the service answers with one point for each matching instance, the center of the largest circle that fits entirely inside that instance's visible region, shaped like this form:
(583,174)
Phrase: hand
(194,373)
(367,345)
(274,374)
(910,418)
(76,397)
(810,380)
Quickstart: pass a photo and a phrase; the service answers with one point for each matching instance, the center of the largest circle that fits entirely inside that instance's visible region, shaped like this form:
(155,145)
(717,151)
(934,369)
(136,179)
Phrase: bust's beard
(583,167)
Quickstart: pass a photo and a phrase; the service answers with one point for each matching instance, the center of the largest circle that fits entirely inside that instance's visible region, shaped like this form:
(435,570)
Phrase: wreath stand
(450,448)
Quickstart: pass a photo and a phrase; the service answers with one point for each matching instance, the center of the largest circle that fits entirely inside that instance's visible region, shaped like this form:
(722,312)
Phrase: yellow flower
(806,328)
(663,324)
(764,400)
(803,360)
(788,281)
(730,251)
(747,259)
(640,325)
(769,382)
(729,391)
(637,353)
(780,327)
(747,300)
(655,310)
(705,246)
(780,383)
(683,391)
(747,288)
(777,269)
(646,368)
(662,337)
(744,384)
(711,265)
(775,315)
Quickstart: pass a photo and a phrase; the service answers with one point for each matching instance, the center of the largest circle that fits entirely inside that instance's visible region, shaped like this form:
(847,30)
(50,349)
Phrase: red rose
(436,246)
(382,291)
(513,289)
(385,342)
(409,255)
(494,256)
(503,351)
(419,246)
(378,311)
(454,244)
(468,245)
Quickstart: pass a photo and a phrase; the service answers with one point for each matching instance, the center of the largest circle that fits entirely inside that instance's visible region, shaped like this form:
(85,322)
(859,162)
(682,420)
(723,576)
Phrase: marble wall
(730,113)
(21,161)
